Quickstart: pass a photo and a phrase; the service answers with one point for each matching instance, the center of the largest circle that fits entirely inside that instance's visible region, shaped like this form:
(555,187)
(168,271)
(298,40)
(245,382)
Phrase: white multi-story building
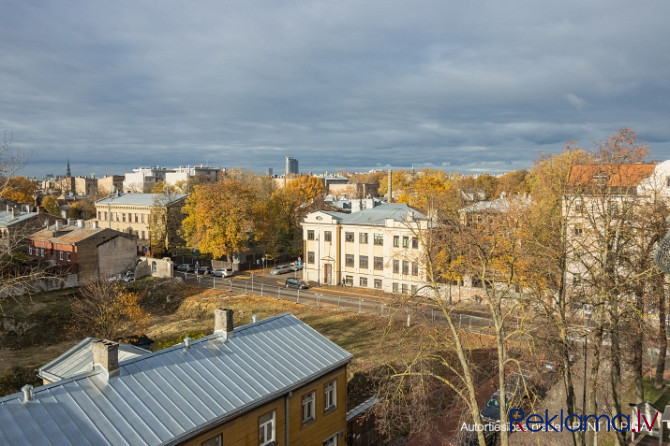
(183,174)
(144,179)
(377,248)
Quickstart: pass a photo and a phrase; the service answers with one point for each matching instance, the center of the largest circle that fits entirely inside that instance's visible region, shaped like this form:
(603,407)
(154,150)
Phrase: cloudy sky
(356,85)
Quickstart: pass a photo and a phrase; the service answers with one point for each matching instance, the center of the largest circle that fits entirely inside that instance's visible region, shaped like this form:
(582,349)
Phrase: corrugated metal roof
(6,218)
(79,359)
(167,396)
(139,199)
(376,216)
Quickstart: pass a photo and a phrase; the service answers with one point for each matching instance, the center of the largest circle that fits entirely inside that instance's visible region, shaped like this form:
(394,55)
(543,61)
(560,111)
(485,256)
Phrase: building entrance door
(328,273)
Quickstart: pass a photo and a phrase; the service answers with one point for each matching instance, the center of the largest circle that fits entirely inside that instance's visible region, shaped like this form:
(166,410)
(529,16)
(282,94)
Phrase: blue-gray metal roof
(139,199)
(6,218)
(168,396)
(79,359)
(377,215)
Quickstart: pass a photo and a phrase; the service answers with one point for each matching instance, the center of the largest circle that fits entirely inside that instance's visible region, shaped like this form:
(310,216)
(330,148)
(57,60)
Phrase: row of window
(267,423)
(378,239)
(123,217)
(39,252)
(350,261)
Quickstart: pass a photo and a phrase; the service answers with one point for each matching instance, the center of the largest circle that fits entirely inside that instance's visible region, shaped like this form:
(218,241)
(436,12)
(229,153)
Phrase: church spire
(67,172)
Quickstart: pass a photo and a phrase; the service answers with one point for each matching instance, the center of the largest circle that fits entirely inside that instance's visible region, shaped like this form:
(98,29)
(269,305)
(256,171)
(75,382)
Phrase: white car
(222,272)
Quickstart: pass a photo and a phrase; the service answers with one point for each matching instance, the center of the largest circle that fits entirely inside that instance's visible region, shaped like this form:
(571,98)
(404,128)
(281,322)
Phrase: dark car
(185,268)
(491,411)
(292,282)
(282,269)
(204,270)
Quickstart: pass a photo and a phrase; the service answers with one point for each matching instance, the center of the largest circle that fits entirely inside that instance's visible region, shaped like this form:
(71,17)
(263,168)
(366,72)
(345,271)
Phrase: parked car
(185,268)
(491,411)
(128,276)
(296,267)
(204,270)
(282,269)
(292,282)
(222,272)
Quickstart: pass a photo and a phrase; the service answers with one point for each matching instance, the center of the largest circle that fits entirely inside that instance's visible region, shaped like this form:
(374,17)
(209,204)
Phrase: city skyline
(347,86)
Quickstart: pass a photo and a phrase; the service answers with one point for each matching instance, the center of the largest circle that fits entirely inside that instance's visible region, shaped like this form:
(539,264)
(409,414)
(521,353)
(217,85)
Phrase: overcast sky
(355,85)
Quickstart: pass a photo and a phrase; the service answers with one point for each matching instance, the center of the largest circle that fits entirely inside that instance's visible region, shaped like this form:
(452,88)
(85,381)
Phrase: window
(405,242)
(99,215)
(363,282)
(405,288)
(576,279)
(363,261)
(327,236)
(578,231)
(379,239)
(214,441)
(349,280)
(137,218)
(331,441)
(414,289)
(30,250)
(42,252)
(60,255)
(396,241)
(266,429)
(405,267)
(330,396)
(349,260)
(123,216)
(379,263)
(415,243)
(142,217)
(143,235)
(378,284)
(395,287)
(69,258)
(310,235)
(349,237)
(396,266)
(308,408)
(310,257)
(415,268)
(117,217)
(363,238)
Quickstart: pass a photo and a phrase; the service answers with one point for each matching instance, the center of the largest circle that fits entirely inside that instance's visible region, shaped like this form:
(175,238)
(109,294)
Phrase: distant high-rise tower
(291,166)
(67,172)
(269,172)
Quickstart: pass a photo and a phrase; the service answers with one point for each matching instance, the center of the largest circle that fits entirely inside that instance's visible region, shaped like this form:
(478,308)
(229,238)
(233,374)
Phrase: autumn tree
(277,224)
(50,205)
(165,222)
(107,310)
(219,217)
(306,188)
(20,189)
(81,210)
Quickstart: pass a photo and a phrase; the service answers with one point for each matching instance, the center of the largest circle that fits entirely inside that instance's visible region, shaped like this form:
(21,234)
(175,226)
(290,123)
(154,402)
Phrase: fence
(408,313)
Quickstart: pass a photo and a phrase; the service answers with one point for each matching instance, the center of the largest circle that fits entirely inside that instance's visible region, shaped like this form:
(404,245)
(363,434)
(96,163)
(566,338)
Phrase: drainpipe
(286,418)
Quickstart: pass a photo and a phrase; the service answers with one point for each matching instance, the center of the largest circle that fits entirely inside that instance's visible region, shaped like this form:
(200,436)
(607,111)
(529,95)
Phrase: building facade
(377,248)
(199,174)
(143,179)
(17,223)
(291,166)
(139,214)
(88,252)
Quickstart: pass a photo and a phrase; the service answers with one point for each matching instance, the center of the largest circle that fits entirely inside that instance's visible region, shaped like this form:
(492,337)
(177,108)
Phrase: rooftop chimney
(254,318)
(223,322)
(27,393)
(106,353)
(187,342)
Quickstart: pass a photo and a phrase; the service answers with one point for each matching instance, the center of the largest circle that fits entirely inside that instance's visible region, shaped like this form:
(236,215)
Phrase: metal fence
(408,313)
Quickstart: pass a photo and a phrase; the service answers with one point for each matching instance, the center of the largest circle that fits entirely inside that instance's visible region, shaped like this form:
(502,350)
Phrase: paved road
(350,299)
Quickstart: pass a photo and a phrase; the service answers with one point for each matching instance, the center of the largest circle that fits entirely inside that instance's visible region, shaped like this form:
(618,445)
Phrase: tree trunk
(637,347)
(662,336)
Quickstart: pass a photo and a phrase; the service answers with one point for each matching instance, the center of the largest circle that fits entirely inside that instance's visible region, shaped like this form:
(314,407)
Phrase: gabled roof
(140,199)
(69,235)
(170,395)
(6,218)
(376,216)
(619,175)
(79,359)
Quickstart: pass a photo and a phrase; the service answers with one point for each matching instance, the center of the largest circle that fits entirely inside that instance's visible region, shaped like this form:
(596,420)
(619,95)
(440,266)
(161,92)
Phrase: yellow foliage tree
(219,217)
(306,188)
(20,189)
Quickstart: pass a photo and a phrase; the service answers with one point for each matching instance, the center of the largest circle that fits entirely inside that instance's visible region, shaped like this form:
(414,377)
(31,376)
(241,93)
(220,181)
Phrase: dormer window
(600,179)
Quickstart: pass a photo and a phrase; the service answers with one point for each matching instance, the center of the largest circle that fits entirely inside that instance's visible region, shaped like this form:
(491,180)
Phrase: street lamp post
(318,261)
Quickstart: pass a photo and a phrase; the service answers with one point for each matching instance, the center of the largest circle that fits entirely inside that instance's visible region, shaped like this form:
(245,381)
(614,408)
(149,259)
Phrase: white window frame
(69,257)
(330,441)
(60,255)
(267,429)
(309,407)
(330,396)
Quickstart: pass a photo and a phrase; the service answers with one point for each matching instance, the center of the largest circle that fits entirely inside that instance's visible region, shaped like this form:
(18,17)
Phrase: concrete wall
(117,255)
(148,266)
